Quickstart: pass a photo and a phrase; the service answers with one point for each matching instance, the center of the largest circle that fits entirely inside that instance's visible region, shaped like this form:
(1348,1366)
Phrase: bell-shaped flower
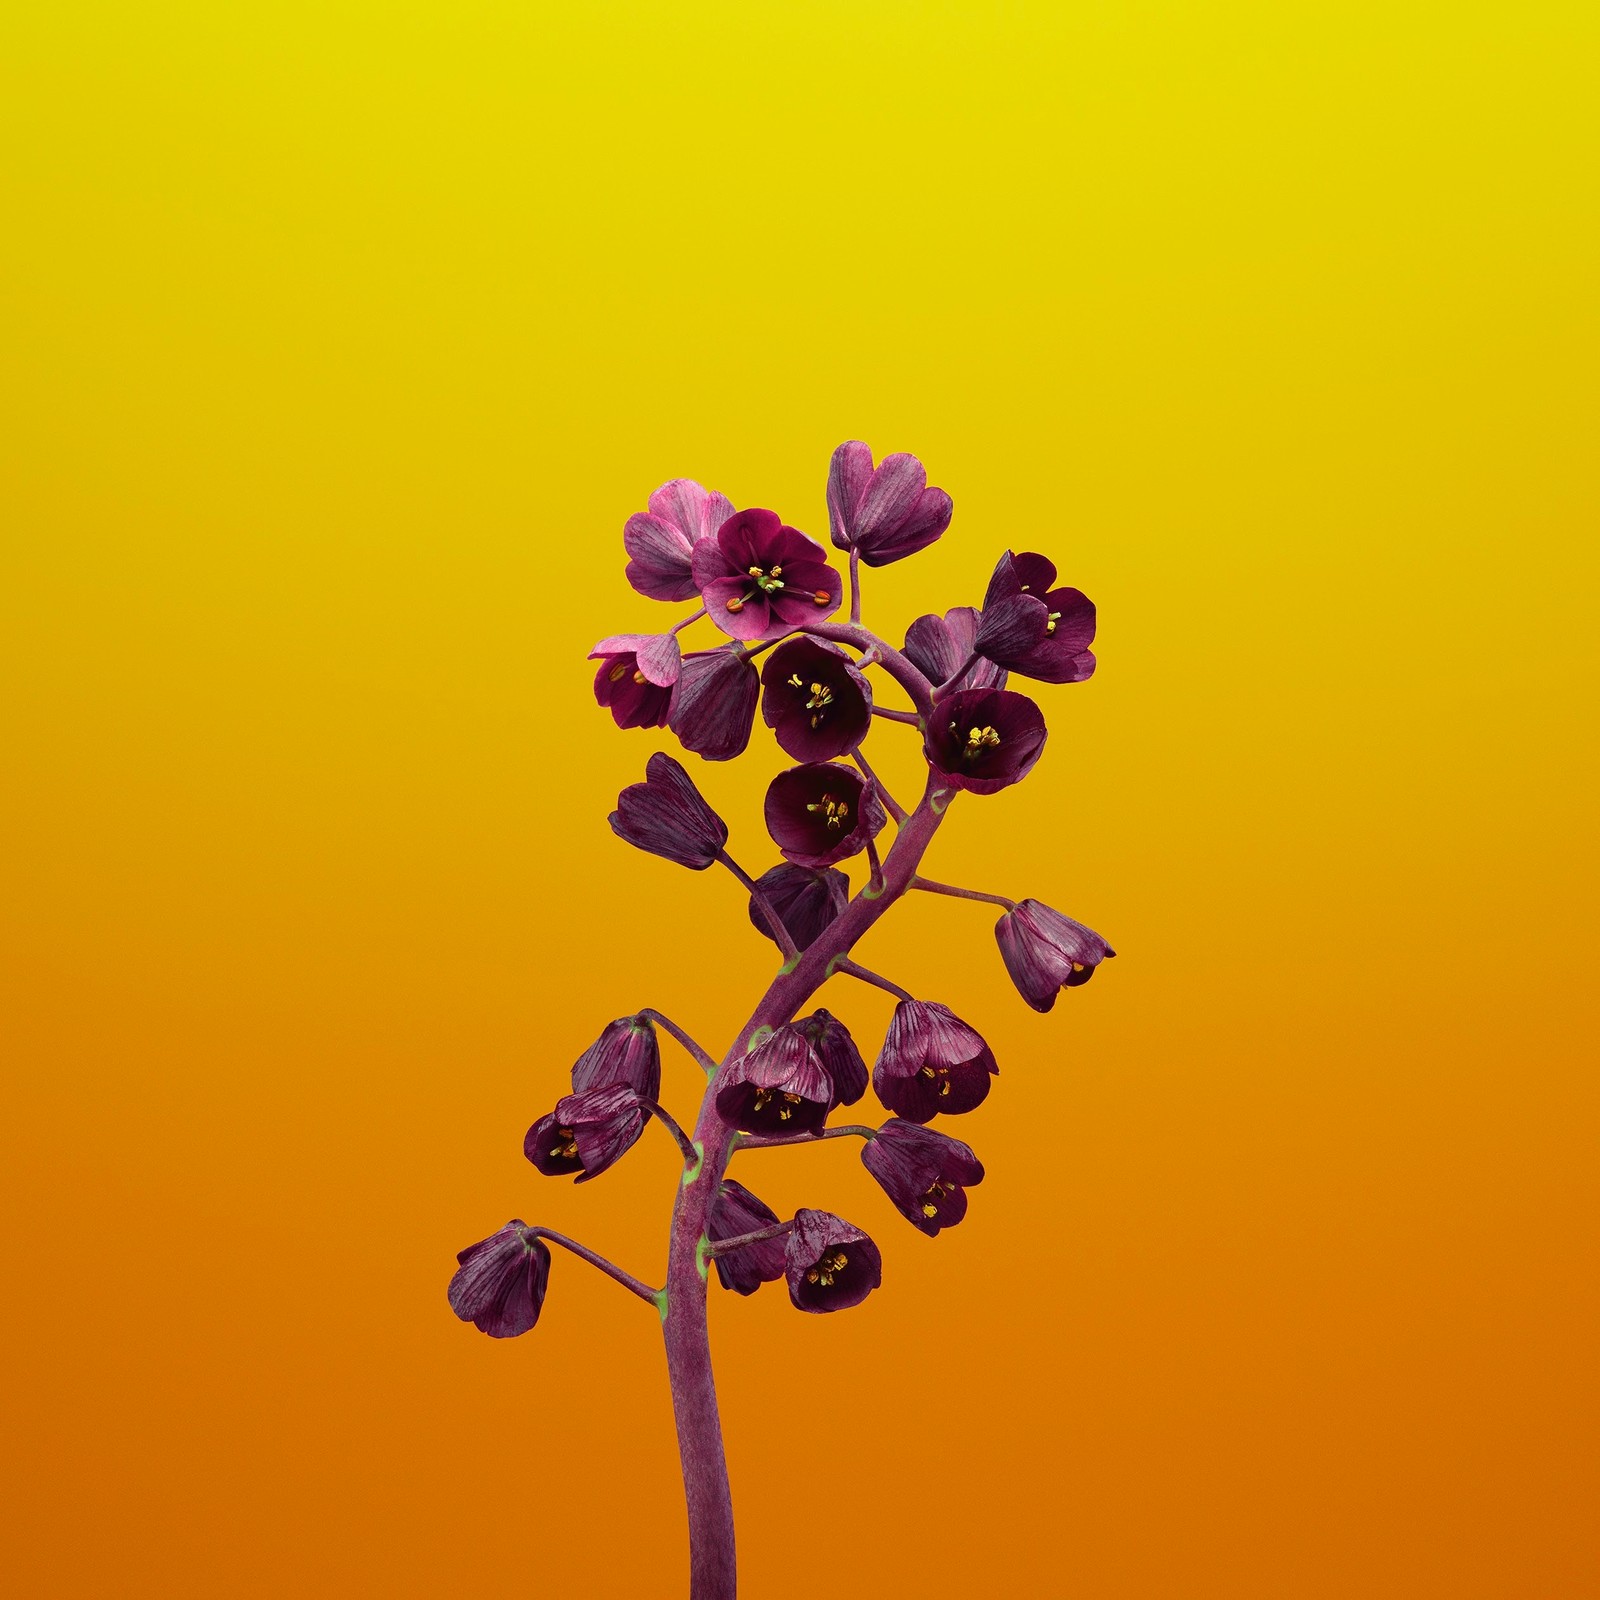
(984,739)
(635,677)
(806,899)
(586,1133)
(666,816)
(714,703)
(1032,628)
(815,699)
(931,1063)
(886,512)
(837,1052)
(500,1283)
(925,1173)
(821,813)
(660,542)
(830,1264)
(736,1211)
(759,577)
(628,1052)
(938,647)
(780,1087)
(1046,952)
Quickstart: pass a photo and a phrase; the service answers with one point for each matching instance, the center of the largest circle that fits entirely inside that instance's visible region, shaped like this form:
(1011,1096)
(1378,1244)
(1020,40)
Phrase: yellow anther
(930,1210)
(638,677)
(834,810)
(979,740)
(736,604)
(756,572)
(616,672)
(821,596)
(794,681)
(777,572)
(1077,966)
(1050,626)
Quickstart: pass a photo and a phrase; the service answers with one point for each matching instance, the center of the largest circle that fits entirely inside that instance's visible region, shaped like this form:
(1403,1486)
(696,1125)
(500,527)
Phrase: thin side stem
(910,718)
(761,1141)
(930,887)
(763,905)
(669,1122)
(874,867)
(723,1247)
(903,671)
(956,676)
(701,1056)
(678,627)
(855,585)
(626,1279)
(891,805)
(751,651)
(845,965)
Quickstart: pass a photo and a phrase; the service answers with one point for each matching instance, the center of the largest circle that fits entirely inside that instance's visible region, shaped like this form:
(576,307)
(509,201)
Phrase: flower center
(834,811)
(931,1200)
(828,1268)
(939,1075)
(979,741)
(1050,626)
(787,1102)
(565,1146)
(767,579)
(821,697)
(617,671)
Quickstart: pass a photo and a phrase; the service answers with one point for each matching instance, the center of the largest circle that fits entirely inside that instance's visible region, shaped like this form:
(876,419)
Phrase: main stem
(712,1573)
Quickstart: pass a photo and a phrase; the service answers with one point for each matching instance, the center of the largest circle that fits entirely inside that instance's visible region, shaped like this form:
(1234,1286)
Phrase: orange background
(340,340)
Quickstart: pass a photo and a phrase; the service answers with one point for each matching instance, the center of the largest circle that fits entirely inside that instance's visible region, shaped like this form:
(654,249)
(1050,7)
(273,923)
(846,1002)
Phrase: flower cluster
(772,592)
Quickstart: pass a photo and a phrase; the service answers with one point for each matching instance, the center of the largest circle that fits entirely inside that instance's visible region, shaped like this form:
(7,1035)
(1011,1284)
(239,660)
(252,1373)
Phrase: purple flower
(666,816)
(661,541)
(931,1062)
(627,1051)
(806,900)
(759,578)
(885,513)
(984,739)
(816,701)
(714,703)
(925,1173)
(821,813)
(1032,628)
(939,646)
(499,1286)
(735,1211)
(635,677)
(586,1133)
(837,1052)
(830,1264)
(779,1087)
(1046,952)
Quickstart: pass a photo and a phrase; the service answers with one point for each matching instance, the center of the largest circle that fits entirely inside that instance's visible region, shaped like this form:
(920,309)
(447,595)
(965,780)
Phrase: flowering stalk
(764,584)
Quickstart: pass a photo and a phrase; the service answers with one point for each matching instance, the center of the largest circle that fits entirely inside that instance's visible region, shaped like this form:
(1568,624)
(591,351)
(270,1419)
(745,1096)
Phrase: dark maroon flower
(806,900)
(586,1133)
(661,541)
(984,739)
(931,1062)
(1032,628)
(924,1172)
(735,1211)
(779,1087)
(822,812)
(939,646)
(635,677)
(816,701)
(499,1286)
(714,703)
(627,1051)
(886,513)
(1046,952)
(759,578)
(837,1052)
(830,1265)
(666,816)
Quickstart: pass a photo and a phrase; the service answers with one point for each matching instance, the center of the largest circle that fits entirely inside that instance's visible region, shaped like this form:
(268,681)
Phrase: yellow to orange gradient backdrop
(341,338)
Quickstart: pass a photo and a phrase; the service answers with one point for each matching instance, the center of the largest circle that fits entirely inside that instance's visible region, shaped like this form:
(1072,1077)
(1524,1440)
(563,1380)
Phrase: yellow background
(341,338)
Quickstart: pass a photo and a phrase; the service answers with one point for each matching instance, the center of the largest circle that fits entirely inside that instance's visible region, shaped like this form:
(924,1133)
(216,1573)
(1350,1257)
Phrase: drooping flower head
(1046,952)
(660,542)
(931,1063)
(779,1087)
(837,1052)
(714,703)
(884,513)
(815,700)
(831,1265)
(985,739)
(806,899)
(925,1173)
(666,816)
(736,1211)
(759,577)
(822,812)
(1032,628)
(938,647)
(626,1052)
(500,1283)
(635,677)
(586,1133)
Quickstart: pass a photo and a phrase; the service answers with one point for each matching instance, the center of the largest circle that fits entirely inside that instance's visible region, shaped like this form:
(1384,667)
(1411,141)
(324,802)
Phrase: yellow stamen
(616,672)
(834,810)
(821,596)
(638,677)
(736,604)
(930,1210)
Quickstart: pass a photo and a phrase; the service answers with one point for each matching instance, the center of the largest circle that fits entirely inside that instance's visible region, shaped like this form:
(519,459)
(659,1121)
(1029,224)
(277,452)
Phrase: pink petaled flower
(984,739)
(660,541)
(1032,628)
(759,577)
(883,513)
(931,1062)
(1046,952)
(938,647)
(635,678)
(831,1264)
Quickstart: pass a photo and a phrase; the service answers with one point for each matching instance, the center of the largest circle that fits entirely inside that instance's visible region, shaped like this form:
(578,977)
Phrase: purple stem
(956,676)
(678,627)
(762,1141)
(706,1063)
(895,809)
(896,665)
(855,585)
(626,1279)
(723,1247)
(908,717)
(931,887)
(851,970)
(762,904)
(669,1122)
